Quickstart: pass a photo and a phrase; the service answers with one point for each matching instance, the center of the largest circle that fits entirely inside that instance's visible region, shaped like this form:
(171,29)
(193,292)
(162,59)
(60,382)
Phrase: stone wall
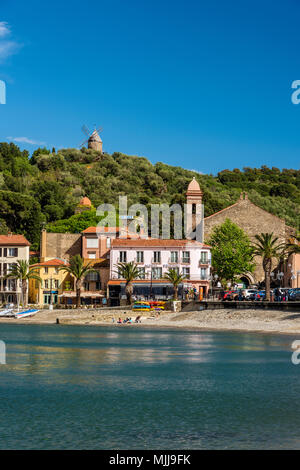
(61,245)
(253,220)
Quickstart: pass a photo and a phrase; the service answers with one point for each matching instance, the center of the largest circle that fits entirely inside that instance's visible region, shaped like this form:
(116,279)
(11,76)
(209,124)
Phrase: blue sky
(201,84)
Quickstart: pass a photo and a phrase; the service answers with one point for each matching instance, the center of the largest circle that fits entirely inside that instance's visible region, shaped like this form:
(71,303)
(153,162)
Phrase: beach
(272,321)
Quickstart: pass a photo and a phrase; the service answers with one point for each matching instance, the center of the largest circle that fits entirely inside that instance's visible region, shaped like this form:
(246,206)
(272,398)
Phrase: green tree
(175,279)
(78,270)
(129,272)
(23,272)
(232,253)
(22,214)
(268,247)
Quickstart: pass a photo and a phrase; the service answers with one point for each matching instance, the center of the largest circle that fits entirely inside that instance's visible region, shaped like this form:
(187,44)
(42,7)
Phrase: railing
(186,260)
(204,261)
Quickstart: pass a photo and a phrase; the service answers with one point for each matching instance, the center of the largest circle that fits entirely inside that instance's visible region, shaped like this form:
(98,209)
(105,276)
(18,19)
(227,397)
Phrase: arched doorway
(246,282)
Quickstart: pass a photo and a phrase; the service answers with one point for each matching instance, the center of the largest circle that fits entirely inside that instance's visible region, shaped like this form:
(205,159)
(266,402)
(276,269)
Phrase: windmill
(93,140)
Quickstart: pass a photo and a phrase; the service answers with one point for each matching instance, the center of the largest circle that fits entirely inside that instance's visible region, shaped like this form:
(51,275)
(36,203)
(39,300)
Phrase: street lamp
(298,274)
(280,277)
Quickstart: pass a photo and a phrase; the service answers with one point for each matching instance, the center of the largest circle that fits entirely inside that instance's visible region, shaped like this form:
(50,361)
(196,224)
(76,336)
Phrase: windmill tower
(93,140)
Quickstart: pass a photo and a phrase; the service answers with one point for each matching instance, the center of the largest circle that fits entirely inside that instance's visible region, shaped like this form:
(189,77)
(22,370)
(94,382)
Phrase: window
(156,257)
(13,252)
(56,284)
(92,255)
(46,284)
(123,256)
(9,267)
(186,272)
(56,270)
(174,256)
(92,276)
(185,256)
(204,257)
(142,273)
(108,242)
(203,273)
(139,256)
(156,273)
(92,242)
(1,252)
(45,270)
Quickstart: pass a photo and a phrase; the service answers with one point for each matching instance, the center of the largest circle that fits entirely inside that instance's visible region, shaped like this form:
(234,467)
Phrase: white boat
(7,313)
(26,313)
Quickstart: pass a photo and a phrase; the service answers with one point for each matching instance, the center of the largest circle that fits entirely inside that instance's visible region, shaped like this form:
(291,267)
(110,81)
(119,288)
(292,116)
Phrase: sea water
(132,387)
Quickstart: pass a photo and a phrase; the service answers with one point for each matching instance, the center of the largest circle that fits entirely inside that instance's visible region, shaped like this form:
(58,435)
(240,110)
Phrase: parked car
(230,295)
(260,295)
(249,293)
(294,294)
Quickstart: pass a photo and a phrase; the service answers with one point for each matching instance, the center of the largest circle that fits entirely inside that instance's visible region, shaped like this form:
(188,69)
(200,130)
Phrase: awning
(83,295)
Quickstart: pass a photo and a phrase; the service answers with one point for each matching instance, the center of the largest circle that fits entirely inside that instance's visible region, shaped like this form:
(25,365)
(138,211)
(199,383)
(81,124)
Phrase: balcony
(203,262)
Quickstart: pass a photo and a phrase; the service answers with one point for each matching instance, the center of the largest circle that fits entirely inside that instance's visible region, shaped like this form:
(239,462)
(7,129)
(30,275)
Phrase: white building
(154,258)
(12,248)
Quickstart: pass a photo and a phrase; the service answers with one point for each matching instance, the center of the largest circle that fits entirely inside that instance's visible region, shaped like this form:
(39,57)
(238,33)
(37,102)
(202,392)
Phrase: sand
(231,320)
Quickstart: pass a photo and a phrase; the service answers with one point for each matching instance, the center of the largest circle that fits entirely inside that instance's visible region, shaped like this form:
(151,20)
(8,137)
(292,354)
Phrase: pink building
(154,257)
(292,271)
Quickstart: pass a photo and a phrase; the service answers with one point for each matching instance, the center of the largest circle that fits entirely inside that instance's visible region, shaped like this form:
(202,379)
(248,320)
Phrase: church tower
(194,215)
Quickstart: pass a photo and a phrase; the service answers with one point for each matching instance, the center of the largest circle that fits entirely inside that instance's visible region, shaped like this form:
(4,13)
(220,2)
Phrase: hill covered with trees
(46,187)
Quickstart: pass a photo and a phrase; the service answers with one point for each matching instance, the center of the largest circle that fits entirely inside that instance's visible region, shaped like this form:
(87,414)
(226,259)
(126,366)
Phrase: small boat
(157,305)
(141,306)
(7,313)
(26,313)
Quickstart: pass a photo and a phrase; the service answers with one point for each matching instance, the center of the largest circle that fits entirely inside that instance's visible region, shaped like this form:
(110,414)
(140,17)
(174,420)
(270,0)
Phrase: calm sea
(73,387)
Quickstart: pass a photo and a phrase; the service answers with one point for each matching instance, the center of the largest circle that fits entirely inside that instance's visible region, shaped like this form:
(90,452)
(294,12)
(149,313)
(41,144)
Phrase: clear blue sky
(201,84)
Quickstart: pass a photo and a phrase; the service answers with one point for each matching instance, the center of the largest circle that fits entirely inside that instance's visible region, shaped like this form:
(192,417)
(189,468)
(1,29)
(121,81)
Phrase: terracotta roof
(85,201)
(114,230)
(241,201)
(100,229)
(11,239)
(51,262)
(155,242)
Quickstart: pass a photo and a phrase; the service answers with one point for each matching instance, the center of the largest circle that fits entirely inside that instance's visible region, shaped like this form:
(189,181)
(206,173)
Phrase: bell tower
(194,215)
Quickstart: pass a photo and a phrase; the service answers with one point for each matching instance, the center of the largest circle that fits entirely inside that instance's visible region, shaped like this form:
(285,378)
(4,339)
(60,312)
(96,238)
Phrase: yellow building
(54,282)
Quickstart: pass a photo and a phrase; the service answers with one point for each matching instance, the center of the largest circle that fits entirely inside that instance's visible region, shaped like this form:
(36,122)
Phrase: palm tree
(173,276)
(78,270)
(129,272)
(23,272)
(268,247)
(294,248)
